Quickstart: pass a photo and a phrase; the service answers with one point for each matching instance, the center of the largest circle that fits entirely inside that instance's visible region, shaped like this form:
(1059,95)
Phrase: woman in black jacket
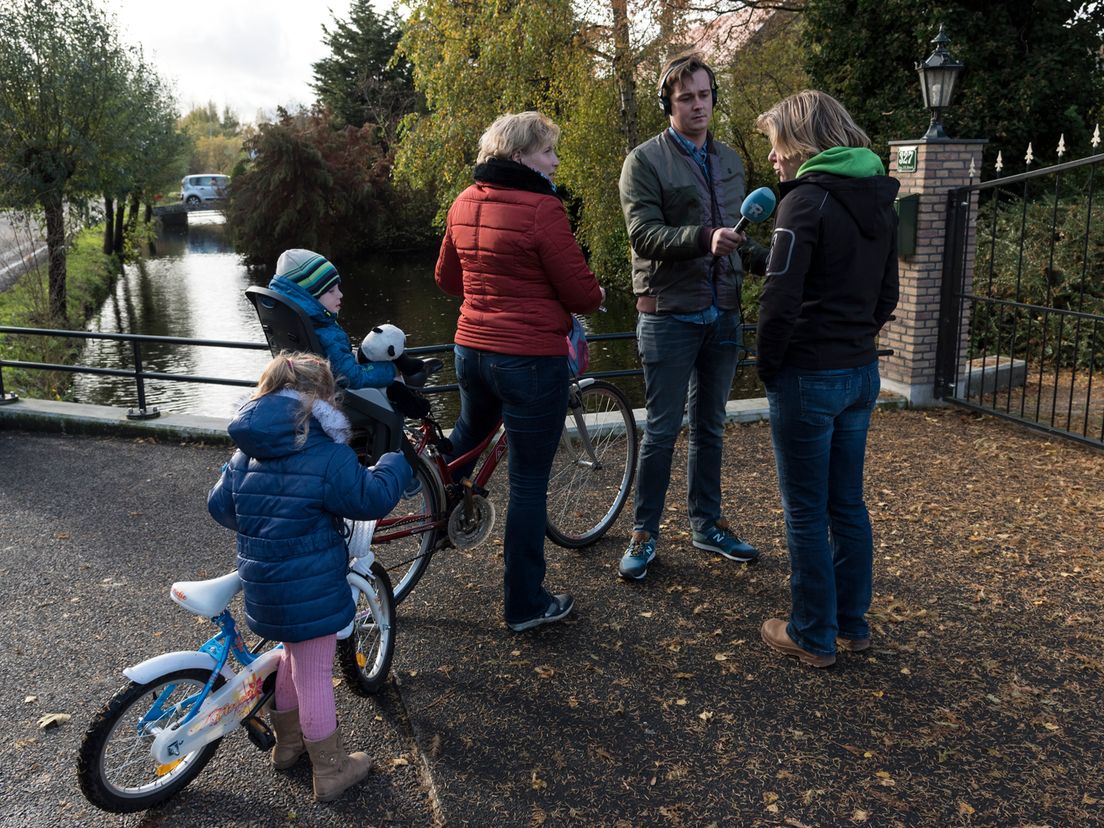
(831,284)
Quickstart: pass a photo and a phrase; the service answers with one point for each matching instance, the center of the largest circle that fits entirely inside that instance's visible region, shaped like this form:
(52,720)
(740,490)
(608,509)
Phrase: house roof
(721,38)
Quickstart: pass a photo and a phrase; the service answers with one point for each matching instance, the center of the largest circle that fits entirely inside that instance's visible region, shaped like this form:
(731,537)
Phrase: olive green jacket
(670,212)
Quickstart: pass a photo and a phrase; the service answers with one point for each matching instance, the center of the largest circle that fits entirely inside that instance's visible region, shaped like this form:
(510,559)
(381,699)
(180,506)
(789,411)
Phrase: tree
(767,68)
(310,185)
(216,139)
(474,61)
(362,81)
(146,152)
(1032,69)
(582,62)
(585,63)
(62,73)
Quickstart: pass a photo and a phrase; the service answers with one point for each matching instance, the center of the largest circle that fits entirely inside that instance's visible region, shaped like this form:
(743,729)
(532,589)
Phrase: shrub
(311,185)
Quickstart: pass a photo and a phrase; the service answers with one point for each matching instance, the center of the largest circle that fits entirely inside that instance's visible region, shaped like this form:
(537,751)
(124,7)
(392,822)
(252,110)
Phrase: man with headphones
(681,193)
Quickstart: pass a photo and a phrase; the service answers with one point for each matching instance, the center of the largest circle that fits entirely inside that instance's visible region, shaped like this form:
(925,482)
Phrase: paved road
(655,704)
(21,240)
(92,533)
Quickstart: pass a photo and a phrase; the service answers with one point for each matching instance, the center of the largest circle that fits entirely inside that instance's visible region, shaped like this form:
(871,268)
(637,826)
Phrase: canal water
(194,287)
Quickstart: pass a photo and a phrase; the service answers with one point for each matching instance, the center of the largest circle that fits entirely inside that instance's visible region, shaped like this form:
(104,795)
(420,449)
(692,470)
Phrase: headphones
(665,99)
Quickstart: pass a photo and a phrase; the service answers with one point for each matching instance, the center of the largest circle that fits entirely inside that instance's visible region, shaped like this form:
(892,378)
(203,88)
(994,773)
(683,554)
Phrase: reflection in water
(191,288)
(205,233)
(194,287)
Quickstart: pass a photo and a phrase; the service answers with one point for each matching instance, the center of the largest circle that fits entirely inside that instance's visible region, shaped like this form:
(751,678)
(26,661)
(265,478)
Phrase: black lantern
(937,81)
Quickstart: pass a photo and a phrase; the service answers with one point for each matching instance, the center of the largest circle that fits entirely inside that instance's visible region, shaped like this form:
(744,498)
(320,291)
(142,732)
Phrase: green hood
(852,162)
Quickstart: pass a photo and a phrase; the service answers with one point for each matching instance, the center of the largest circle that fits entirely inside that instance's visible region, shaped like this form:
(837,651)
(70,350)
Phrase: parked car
(197,189)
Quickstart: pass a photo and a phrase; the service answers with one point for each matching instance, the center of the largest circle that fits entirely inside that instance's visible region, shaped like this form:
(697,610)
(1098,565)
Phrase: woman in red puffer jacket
(509,253)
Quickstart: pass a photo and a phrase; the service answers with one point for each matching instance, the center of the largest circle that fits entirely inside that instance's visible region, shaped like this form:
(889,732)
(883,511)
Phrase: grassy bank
(91,275)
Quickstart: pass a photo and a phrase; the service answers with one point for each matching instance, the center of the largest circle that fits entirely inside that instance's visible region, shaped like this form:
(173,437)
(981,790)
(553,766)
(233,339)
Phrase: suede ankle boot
(289,738)
(334,770)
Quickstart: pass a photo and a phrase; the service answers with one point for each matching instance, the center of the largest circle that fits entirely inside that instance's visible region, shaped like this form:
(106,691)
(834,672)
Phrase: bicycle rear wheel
(594,467)
(405,540)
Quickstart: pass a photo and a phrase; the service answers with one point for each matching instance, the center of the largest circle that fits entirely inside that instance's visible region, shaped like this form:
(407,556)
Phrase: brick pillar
(939,166)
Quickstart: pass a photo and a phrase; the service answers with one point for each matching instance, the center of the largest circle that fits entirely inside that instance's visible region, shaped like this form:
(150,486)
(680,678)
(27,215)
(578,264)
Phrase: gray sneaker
(641,552)
(559,607)
(718,539)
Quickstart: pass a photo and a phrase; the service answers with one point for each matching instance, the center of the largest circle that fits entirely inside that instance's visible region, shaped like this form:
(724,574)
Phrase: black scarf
(503,172)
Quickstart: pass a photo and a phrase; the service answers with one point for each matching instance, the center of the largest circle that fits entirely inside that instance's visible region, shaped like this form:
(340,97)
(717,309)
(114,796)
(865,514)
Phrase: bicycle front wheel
(594,467)
(365,656)
(405,540)
(116,770)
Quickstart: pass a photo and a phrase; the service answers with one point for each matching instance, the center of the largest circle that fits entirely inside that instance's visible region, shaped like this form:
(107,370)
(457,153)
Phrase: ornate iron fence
(1022,309)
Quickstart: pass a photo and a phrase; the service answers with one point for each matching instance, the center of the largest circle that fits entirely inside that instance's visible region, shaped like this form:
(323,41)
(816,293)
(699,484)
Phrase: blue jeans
(819,421)
(679,357)
(529,394)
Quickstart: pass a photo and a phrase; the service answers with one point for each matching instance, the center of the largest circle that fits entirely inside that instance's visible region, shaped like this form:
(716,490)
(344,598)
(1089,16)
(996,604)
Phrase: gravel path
(655,704)
(92,533)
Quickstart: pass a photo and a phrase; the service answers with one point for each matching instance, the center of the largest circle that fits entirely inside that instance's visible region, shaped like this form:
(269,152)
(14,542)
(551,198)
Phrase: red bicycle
(592,472)
(592,475)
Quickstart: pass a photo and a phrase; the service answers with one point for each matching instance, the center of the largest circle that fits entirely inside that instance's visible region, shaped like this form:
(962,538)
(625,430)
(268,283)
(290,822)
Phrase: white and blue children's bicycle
(158,731)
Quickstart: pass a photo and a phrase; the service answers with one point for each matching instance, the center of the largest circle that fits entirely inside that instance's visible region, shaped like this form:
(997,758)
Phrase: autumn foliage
(312,185)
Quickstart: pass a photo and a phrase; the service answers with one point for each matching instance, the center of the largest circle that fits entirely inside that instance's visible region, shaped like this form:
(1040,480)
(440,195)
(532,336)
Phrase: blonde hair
(809,122)
(517,132)
(308,374)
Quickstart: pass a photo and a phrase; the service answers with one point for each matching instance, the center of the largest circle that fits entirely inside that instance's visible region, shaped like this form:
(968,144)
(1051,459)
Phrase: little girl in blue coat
(286,491)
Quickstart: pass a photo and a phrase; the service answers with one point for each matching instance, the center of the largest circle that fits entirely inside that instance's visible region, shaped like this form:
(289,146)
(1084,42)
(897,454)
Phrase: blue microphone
(757,207)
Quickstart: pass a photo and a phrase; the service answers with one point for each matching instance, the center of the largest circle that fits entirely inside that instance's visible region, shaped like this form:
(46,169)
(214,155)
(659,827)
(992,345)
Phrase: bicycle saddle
(207,598)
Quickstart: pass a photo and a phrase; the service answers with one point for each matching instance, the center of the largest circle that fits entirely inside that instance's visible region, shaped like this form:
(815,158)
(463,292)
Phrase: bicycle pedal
(259,733)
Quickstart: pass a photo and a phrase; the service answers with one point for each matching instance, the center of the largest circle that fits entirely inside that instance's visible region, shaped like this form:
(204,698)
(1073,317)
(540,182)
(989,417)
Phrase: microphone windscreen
(758,205)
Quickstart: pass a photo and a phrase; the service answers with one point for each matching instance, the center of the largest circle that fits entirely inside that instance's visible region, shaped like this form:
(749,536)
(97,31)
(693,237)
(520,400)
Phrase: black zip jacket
(831,280)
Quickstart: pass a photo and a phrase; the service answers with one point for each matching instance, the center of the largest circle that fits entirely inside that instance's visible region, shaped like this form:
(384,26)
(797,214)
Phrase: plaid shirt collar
(699,154)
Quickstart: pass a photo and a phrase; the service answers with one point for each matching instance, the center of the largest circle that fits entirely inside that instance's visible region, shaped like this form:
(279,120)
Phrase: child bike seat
(206,598)
(288,328)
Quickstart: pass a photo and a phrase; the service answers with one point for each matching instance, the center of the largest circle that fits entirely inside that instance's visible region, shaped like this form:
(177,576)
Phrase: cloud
(245,54)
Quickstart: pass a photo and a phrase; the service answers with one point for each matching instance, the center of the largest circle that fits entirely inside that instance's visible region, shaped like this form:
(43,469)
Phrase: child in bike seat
(313,283)
(286,492)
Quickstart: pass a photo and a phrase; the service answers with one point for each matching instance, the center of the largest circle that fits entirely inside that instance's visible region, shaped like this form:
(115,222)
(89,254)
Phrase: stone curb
(78,418)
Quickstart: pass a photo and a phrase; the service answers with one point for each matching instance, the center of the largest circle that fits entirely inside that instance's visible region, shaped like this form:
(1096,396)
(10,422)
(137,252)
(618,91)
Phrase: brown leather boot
(855,645)
(774,635)
(289,738)
(334,771)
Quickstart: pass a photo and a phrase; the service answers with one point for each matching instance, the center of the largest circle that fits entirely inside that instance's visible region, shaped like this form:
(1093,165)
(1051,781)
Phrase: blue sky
(249,55)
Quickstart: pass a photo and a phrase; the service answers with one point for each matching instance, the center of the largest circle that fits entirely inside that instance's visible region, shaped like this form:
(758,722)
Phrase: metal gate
(1021,328)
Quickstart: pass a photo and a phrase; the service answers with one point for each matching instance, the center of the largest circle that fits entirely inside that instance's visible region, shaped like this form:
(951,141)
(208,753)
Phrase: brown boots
(289,738)
(334,770)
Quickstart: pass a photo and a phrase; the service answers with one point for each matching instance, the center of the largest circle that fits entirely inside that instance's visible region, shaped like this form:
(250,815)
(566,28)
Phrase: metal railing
(138,373)
(141,375)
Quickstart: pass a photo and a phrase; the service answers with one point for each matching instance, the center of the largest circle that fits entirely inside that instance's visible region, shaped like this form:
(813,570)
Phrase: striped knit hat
(313,273)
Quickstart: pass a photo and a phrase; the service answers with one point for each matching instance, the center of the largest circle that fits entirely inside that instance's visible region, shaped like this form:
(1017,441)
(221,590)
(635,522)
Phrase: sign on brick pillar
(928,169)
